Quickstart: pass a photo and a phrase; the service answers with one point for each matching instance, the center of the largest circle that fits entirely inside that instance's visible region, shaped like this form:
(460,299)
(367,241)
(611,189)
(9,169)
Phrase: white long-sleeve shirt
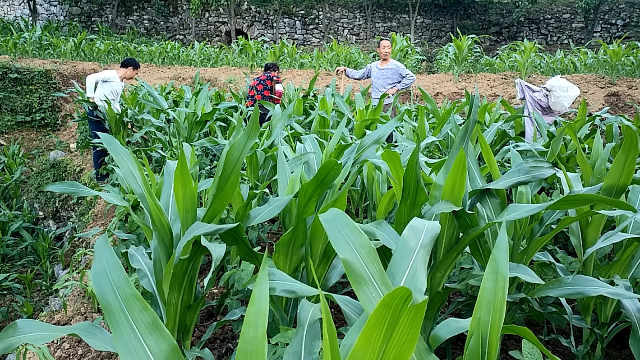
(103,86)
(384,78)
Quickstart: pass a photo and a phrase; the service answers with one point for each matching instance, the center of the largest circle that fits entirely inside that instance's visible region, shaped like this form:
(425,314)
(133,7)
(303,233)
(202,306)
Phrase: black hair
(271,67)
(130,63)
(381,40)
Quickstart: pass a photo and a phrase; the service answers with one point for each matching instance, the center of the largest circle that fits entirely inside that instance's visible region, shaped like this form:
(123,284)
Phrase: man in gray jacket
(387,76)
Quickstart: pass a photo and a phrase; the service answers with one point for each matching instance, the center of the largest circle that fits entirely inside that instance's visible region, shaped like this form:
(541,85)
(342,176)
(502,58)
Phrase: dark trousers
(394,113)
(97,125)
(263,115)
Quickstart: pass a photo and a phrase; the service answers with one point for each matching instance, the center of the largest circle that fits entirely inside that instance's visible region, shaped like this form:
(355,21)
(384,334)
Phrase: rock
(11,357)
(59,272)
(75,10)
(55,304)
(56,155)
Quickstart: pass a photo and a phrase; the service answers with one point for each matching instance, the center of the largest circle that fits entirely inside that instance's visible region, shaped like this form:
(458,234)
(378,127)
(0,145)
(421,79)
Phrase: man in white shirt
(104,89)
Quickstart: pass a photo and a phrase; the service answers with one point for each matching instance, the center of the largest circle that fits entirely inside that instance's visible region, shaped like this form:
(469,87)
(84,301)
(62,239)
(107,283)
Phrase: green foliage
(521,231)
(56,207)
(26,98)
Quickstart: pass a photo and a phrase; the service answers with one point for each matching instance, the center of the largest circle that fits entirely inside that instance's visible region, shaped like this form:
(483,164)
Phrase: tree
(280,7)
(591,10)
(413,16)
(33,11)
(369,7)
(230,5)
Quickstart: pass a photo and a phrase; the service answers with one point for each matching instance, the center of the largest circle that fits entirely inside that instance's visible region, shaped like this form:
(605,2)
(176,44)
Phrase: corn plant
(174,224)
(459,55)
(614,56)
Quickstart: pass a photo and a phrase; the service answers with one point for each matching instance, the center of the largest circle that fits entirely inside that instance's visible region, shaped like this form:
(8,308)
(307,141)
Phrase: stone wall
(550,26)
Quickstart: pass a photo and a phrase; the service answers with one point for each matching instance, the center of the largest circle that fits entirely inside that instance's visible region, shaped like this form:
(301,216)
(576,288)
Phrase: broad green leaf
(367,145)
(330,347)
(526,334)
(272,208)
(253,336)
(77,189)
(409,263)
(447,329)
(306,342)
(524,273)
(631,309)
(138,333)
(237,237)
(284,285)
(227,175)
(609,239)
(331,350)
(578,287)
(195,231)
(461,143)
(358,256)
(483,340)
(144,268)
(392,330)
(530,351)
(381,230)
(414,194)
(186,193)
(27,331)
(523,173)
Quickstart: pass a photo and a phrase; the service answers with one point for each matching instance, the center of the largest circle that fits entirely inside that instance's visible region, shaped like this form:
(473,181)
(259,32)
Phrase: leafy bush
(26,98)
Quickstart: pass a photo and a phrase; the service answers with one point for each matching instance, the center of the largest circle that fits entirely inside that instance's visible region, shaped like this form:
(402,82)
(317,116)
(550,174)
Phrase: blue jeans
(96,125)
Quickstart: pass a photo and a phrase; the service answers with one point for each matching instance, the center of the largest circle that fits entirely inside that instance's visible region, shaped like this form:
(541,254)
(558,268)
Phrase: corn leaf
(358,256)
(414,194)
(578,287)
(267,211)
(483,340)
(447,329)
(307,341)
(392,330)
(411,258)
(138,333)
(253,336)
(27,331)
(77,189)
(227,175)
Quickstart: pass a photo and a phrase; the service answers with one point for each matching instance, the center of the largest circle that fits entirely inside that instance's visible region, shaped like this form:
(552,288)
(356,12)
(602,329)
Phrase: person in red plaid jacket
(266,87)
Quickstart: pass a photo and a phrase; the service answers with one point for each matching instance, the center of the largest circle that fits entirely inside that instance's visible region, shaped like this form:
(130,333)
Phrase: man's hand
(341,70)
(392,91)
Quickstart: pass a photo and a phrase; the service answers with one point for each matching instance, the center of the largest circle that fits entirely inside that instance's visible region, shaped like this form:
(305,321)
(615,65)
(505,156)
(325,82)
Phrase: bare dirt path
(596,89)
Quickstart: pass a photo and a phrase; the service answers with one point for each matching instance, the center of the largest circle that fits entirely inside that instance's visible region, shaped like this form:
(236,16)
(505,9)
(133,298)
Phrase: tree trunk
(277,24)
(368,9)
(231,14)
(193,28)
(454,31)
(596,14)
(114,15)
(326,21)
(33,11)
(413,16)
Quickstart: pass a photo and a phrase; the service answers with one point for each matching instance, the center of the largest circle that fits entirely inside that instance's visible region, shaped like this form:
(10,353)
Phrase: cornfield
(522,232)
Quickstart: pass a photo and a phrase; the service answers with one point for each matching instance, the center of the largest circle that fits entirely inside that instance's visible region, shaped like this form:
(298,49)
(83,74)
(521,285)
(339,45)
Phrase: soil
(79,309)
(102,215)
(596,89)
